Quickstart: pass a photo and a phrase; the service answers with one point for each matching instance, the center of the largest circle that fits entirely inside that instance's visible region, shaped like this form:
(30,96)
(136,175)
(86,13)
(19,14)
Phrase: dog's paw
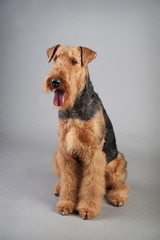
(89,209)
(86,213)
(118,197)
(65,207)
(117,201)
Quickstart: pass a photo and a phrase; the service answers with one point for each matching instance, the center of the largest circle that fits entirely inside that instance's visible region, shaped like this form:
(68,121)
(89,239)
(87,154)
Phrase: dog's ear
(87,55)
(51,51)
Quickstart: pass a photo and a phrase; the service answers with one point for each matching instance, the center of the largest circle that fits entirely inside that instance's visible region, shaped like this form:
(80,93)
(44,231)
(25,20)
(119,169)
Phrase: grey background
(126,72)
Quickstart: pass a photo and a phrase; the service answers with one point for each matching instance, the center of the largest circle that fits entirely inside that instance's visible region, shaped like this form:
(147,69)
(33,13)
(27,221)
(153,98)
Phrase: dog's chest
(74,134)
(77,135)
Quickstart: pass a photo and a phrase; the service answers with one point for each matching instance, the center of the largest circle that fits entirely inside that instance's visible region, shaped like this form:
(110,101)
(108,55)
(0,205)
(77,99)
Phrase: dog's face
(68,74)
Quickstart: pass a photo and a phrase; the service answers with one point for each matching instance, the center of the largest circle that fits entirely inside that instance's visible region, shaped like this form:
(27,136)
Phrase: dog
(87,159)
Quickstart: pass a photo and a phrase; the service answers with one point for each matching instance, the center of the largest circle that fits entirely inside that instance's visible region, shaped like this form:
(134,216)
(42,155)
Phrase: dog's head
(68,73)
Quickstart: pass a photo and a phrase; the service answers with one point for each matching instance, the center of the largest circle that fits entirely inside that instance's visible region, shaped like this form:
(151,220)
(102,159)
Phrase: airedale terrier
(87,159)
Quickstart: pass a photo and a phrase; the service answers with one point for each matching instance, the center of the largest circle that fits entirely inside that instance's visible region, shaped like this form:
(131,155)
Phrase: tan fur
(57,188)
(64,70)
(79,160)
(116,174)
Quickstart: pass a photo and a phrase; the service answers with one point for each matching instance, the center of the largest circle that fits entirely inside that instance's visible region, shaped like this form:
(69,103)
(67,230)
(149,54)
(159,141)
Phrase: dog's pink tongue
(58,99)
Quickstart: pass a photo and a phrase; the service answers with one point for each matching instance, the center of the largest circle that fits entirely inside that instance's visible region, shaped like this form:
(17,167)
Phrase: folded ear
(51,51)
(87,55)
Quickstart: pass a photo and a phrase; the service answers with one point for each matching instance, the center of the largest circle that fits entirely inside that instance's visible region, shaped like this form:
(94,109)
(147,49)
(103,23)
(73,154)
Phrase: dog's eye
(73,62)
(55,59)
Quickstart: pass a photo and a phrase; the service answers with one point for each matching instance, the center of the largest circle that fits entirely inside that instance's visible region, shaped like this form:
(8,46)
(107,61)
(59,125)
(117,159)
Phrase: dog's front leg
(92,187)
(69,184)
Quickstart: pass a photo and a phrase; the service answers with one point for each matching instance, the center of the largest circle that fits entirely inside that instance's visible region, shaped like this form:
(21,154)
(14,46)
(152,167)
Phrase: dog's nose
(56,82)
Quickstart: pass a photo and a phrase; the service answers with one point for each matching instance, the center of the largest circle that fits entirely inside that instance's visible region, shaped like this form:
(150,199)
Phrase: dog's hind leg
(57,189)
(56,169)
(116,173)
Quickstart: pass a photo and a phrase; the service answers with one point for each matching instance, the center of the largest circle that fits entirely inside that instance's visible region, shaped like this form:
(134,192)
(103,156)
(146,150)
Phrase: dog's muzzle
(56,82)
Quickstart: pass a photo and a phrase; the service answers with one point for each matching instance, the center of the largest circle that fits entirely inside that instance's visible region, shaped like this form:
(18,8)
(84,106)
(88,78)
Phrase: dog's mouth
(59,97)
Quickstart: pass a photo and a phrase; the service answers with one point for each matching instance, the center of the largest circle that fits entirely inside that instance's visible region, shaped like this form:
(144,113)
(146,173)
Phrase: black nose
(56,82)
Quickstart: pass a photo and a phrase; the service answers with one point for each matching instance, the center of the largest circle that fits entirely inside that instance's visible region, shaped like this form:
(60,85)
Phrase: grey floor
(126,76)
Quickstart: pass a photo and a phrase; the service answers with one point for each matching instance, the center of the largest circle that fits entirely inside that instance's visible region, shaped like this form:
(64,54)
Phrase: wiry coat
(87,160)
